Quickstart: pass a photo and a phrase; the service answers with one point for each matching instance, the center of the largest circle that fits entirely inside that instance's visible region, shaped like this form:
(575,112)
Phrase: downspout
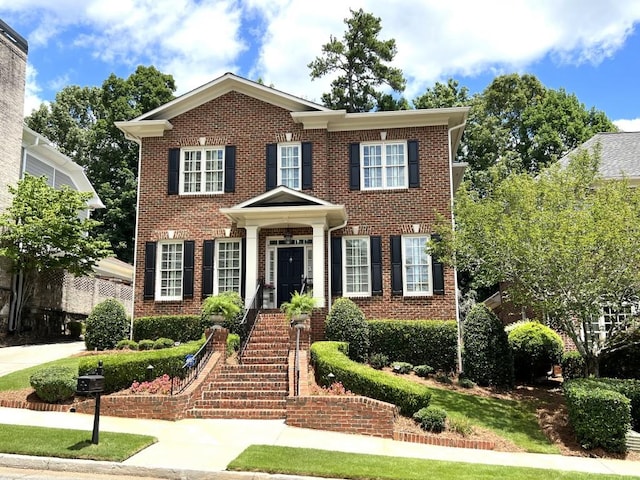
(453,227)
(137,140)
(342,225)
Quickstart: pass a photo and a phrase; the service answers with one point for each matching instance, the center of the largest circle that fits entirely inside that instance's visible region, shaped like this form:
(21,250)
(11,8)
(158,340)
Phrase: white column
(251,265)
(318,265)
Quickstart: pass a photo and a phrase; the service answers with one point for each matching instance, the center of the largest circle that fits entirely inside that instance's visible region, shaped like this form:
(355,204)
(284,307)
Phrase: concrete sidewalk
(194,449)
(24,356)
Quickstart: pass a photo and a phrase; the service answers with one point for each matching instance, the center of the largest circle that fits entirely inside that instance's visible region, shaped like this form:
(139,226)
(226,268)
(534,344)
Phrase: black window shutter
(208,250)
(149,270)
(354,166)
(174,171)
(437,271)
(243,274)
(396,265)
(307,166)
(376,265)
(414,164)
(272,166)
(336,266)
(187,268)
(230,169)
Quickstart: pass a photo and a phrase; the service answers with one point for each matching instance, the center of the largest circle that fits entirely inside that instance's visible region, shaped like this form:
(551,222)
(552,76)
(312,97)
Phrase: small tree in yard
(106,326)
(42,232)
(565,243)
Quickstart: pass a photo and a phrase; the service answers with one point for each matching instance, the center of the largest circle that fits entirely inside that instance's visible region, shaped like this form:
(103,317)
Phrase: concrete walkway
(195,449)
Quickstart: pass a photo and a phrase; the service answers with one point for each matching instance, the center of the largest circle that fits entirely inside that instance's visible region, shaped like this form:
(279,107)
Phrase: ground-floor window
(169,271)
(357,266)
(228,265)
(415,265)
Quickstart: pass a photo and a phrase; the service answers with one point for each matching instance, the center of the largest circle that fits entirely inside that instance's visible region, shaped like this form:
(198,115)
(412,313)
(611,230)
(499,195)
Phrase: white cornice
(144,128)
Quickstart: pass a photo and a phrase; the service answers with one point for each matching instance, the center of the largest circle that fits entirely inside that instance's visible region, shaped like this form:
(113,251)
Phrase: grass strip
(325,463)
(65,443)
(20,379)
(513,420)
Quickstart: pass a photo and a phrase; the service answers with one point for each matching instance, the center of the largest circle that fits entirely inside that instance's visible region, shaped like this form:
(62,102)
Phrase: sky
(588,47)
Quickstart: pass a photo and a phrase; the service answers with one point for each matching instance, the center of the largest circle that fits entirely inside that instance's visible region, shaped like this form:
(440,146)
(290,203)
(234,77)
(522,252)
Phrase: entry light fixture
(288,238)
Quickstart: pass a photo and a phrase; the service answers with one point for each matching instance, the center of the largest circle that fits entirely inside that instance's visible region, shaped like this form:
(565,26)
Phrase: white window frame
(217,267)
(281,147)
(160,290)
(405,266)
(345,267)
(384,165)
(202,174)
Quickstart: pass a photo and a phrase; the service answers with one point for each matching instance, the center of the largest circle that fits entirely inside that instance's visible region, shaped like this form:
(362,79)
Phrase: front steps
(257,388)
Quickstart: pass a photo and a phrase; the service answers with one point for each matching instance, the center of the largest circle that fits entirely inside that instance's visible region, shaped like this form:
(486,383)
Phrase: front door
(290,272)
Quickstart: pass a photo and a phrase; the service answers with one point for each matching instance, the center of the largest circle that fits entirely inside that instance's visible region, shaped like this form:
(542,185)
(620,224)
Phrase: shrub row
(181,328)
(599,415)
(419,342)
(122,369)
(629,388)
(330,358)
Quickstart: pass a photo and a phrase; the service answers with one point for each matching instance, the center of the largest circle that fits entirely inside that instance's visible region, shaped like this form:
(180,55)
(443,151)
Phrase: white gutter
(453,227)
(137,140)
(344,224)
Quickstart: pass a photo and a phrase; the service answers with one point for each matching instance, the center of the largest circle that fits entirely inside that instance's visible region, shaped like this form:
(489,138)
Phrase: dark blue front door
(290,272)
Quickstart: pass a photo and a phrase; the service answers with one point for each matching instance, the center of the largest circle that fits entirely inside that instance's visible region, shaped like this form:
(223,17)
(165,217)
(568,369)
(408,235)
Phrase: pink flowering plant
(336,388)
(161,386)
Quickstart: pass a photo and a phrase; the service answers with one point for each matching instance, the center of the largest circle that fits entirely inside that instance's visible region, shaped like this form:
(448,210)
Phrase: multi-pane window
(228,265)
(289,165)
(169,271)
(202,170)
(357,269)
(384,165)
(415,264)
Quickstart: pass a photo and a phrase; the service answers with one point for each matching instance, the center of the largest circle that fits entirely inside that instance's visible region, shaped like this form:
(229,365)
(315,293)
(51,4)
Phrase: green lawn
(325,463)
(515,421)
(63,443)
(20,379)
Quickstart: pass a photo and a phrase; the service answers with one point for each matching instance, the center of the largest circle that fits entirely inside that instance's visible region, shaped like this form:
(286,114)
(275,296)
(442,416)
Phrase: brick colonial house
(242,185)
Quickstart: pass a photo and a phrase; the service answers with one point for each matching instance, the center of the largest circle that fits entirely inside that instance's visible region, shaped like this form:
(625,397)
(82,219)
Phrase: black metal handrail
(248,321)
(193,366)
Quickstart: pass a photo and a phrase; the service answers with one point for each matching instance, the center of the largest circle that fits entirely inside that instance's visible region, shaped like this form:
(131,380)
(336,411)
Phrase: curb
(113,468)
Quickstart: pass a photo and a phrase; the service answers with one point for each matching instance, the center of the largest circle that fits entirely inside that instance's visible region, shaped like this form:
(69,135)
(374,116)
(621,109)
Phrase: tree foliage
(360,59)
(565,243)
(81,123)
(41,232)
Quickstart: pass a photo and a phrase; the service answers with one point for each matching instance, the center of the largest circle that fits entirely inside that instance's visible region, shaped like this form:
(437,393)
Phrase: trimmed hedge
(54,383)
(629,388)
(330,357)
(419,342)
(181,328)
(122,369)
(573,366)
(599,416)
(536,348)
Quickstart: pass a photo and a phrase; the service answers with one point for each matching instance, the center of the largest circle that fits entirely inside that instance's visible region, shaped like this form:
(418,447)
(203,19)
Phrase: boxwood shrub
(54,383)
(106,325)
(573,365)
(419,342)
(330,357)
(346,323)
(536,348)
(599,416)
(122,369)
(431,419)
(181,328)
(629,388)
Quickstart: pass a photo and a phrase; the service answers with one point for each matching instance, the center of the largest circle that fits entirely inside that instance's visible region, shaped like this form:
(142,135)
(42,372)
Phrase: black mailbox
(90,384)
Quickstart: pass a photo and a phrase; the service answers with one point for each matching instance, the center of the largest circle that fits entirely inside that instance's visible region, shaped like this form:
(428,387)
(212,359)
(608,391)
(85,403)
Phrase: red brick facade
(250,124)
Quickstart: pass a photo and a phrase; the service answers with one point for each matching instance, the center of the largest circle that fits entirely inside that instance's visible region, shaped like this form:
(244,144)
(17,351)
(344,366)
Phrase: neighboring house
(242,185)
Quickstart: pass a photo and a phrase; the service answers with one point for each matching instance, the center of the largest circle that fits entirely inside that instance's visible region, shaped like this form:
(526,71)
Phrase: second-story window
(289,165)
(202,170)
(384,165)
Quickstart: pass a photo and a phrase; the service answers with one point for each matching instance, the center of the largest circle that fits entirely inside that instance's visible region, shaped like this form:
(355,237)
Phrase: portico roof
(283,207)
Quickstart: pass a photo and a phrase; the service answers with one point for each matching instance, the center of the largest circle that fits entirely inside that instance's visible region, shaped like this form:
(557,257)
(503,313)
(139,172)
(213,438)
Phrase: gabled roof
(619,154)
(225,84)
(42,147)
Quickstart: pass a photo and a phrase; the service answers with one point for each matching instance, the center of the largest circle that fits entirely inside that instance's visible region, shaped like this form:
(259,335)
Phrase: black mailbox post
(93,384)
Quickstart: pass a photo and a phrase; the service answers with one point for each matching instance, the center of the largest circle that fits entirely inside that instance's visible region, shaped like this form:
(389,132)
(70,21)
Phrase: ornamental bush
(573,366)
(106,326)
(55,383)
(346,323)
(535,348)
(145,344)
(487,358)
(127,345)
(621,358)
(378,361)
(431,419)
(423,370)
(162,342)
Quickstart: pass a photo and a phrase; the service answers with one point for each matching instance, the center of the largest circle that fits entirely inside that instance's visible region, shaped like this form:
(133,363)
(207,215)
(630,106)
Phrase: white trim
(384,166)
(202,172)
(405,291)
(216,266)
(345,284)
(158,293)
(299,167)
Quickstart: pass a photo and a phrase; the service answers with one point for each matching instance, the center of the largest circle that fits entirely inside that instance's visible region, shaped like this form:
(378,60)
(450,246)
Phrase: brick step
(253,369)
(256,351)
(264,360)
(244,384)
(253,414)
(270,335)
(239,393)
(237,404)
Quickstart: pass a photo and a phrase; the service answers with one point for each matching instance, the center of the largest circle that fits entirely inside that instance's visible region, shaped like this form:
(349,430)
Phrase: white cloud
(32,99)
(628,125)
